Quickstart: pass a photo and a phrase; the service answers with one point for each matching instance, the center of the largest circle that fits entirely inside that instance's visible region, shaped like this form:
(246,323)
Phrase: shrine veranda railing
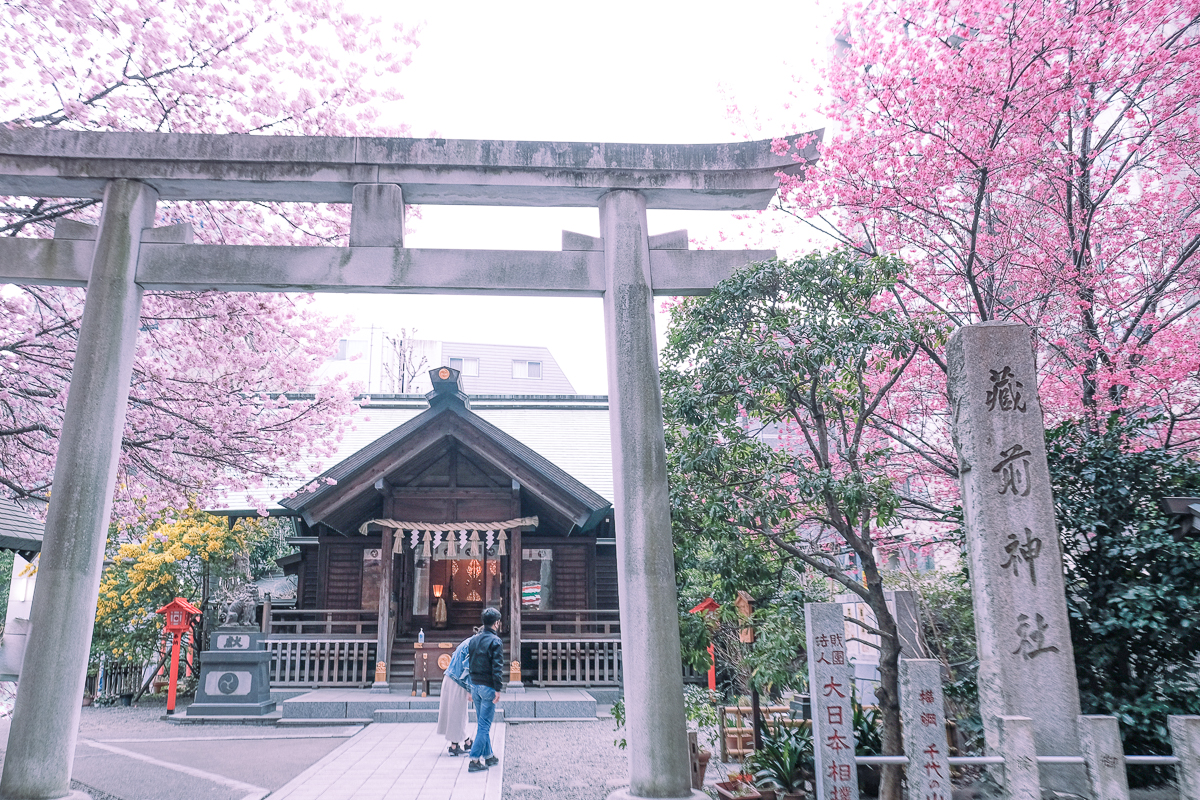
(323,622)
(574,662)
(305,662)
(571,624)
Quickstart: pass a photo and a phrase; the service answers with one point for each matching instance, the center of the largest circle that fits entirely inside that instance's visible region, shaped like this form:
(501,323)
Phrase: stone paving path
(405,761)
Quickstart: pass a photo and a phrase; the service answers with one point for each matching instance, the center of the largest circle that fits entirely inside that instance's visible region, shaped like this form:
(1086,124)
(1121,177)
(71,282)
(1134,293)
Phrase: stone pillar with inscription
(1100,738)
(923,714)
(1185,741)
(1026,664)
(830,680)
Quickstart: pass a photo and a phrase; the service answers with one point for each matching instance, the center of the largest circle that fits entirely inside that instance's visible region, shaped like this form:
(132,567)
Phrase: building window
(537,578)
(343,346)
(467,366)
(527,369)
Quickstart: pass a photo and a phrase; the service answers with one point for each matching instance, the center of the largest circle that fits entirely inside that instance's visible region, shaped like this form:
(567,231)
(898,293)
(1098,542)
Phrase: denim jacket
(459,670)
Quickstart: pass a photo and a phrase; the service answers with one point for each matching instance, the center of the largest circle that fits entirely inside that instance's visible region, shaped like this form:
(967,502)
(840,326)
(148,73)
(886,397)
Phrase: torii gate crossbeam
(131,172)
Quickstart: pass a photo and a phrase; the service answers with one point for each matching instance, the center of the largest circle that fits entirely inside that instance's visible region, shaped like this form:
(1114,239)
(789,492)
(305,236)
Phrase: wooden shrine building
(420,530)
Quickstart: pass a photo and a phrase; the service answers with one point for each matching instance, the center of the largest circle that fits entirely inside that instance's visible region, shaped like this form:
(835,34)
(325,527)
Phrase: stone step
(326,706)
(422,715)
(306,708)
(533,705)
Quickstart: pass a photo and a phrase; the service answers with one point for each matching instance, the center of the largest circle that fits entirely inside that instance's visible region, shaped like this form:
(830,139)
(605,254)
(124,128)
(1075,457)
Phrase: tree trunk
(888,694)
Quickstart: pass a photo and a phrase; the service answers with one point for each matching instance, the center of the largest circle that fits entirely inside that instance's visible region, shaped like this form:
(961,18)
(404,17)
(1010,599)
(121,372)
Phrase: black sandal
(455,750)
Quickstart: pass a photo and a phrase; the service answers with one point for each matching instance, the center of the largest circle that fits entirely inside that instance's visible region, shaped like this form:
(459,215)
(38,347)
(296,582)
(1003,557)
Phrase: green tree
(771,386)
(170,558)
(1132,594)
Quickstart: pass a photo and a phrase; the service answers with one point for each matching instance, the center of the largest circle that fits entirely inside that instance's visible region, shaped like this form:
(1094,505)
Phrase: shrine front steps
(351,706)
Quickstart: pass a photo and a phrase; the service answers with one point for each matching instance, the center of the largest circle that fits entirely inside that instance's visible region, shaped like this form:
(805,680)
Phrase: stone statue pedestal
(234,675)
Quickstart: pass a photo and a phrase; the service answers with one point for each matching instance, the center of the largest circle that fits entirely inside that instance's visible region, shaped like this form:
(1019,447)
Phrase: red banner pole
(174,673)
(712,669)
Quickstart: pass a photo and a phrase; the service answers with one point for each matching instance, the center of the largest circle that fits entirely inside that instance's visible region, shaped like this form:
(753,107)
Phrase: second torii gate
(125,255)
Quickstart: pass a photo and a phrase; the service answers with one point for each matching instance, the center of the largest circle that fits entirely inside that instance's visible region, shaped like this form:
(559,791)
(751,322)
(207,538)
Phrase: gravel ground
(563,761)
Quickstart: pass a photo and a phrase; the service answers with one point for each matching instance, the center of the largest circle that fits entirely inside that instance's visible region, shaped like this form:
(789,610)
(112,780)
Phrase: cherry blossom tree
(207,410)
(1032,160)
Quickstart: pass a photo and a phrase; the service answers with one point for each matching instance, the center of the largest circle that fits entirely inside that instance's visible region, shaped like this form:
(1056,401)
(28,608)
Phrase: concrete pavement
(400,761)
(141,758)
(131,754)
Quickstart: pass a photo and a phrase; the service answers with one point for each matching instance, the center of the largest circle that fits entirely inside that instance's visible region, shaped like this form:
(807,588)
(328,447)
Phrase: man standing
(486,659)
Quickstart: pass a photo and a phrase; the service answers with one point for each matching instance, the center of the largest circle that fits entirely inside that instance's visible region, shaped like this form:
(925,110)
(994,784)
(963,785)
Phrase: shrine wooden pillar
(384,646)
(514,594)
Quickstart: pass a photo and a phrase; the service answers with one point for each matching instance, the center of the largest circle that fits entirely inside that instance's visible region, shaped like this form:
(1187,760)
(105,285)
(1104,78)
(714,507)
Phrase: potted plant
(784,764)
(739,786)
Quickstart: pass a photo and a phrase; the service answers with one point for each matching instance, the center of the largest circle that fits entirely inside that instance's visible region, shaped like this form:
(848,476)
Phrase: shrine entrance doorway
(457,590)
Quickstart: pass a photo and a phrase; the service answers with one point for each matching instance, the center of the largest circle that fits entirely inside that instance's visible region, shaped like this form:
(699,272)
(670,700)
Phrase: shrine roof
(569,431)
(19,531)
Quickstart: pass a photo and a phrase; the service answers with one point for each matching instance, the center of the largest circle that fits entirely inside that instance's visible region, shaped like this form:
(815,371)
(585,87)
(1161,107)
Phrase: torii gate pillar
(41,742)
(650,650)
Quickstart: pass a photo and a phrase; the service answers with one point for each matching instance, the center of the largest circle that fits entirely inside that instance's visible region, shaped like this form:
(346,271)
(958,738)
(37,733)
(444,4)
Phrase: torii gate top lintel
(732,176)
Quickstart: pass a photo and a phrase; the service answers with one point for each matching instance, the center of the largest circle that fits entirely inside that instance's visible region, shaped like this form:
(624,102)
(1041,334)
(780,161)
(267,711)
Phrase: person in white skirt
(456,693)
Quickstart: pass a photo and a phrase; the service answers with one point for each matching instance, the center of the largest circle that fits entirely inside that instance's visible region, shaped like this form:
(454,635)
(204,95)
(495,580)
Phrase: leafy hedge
(1132,589)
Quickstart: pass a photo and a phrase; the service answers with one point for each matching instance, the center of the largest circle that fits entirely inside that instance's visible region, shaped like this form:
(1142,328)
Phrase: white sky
(612,72)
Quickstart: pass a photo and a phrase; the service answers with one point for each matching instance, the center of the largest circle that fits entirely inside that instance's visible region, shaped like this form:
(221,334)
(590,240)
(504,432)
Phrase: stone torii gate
(125,255)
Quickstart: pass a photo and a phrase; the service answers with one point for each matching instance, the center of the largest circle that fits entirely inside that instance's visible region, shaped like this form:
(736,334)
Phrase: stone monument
(1026,664)
(922,712)
(830,680)
(235,676)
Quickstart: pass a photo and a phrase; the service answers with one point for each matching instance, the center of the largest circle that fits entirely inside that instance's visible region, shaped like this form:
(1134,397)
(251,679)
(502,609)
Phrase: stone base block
(520,709)
(301,709)
(566,709)
(260,708)
(605,696)
(183,719)
(424,715)
(624,793)
(365,709)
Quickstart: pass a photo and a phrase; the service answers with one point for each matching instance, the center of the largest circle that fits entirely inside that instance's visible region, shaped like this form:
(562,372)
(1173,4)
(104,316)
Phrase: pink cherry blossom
(1034,161)
(207,411)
